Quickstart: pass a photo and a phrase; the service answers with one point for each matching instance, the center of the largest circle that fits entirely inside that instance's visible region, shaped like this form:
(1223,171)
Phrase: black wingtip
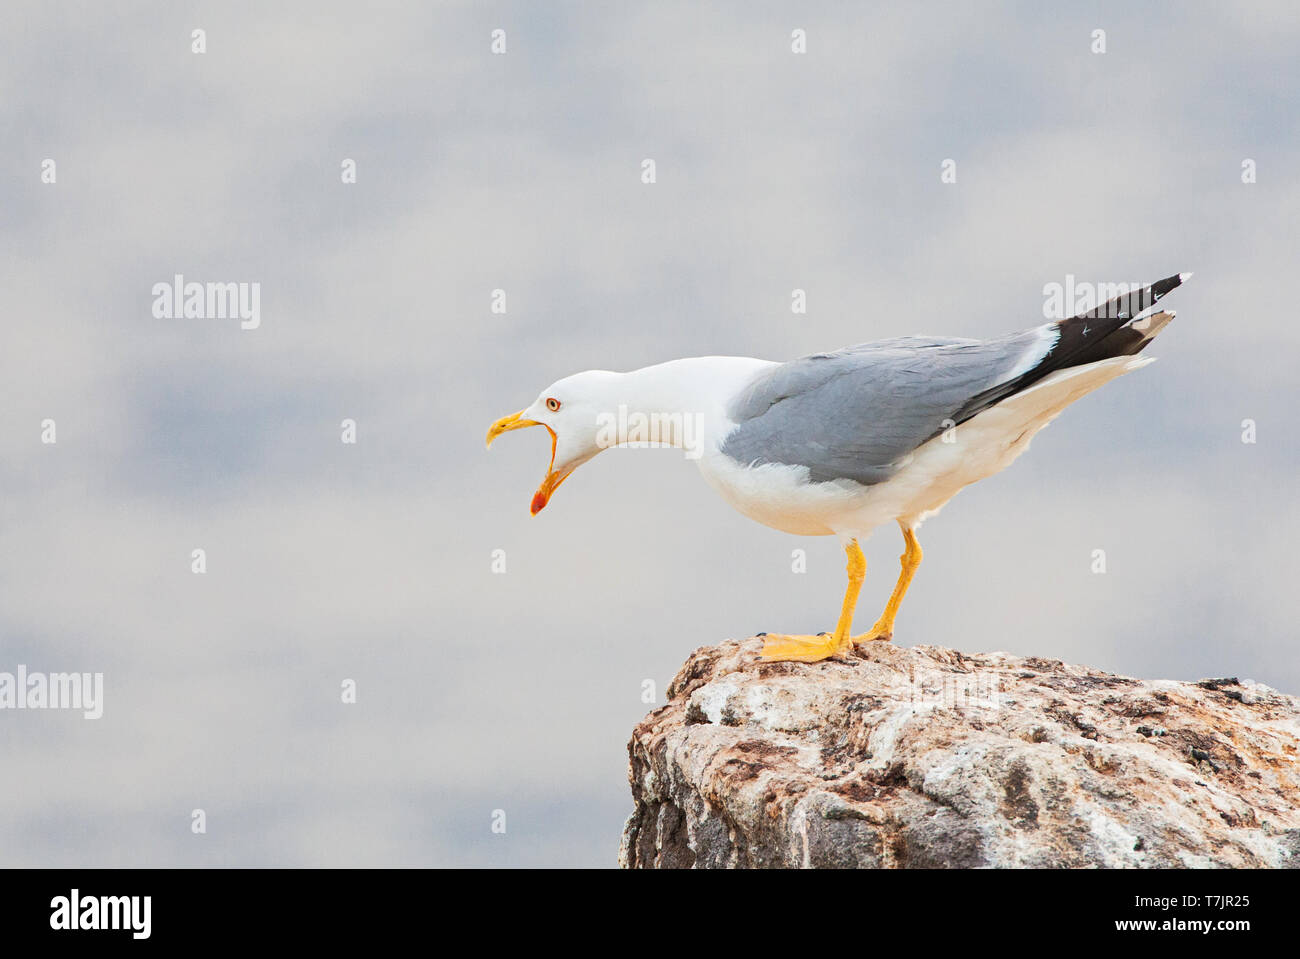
(1129,305)
(1161,287)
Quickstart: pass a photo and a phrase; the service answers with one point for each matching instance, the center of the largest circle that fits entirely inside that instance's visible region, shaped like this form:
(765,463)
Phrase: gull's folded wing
(858,412)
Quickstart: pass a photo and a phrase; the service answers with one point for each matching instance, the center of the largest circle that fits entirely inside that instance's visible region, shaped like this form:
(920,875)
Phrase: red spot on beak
(539,501)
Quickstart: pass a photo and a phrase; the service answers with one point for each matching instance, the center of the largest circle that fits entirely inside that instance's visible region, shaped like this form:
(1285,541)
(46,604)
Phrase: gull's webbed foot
(801,649)
(813,649)
(882,632)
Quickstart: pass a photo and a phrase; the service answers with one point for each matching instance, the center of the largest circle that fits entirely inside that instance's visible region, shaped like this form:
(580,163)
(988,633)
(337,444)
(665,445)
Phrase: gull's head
(571,410)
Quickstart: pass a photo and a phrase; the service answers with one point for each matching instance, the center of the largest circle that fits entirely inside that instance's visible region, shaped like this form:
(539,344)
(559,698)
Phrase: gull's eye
(553,404)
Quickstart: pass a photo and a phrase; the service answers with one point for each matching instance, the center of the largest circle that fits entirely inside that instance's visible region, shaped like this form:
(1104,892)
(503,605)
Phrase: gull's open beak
(551,482)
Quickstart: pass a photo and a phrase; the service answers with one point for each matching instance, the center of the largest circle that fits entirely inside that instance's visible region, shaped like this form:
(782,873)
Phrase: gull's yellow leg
(811,649)
(910,560)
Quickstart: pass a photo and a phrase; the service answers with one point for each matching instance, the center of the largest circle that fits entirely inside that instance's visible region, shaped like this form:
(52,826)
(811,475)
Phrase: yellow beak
(551,482)
(514,421)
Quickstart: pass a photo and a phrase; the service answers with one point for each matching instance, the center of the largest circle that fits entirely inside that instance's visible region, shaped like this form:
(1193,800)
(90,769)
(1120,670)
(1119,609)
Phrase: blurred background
(516,691)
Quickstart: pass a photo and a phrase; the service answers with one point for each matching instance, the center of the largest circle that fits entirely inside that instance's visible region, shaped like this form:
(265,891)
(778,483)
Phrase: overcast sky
(480,691)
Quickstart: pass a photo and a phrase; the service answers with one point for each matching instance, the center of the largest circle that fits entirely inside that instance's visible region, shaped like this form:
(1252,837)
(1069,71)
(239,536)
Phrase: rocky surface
(925,757)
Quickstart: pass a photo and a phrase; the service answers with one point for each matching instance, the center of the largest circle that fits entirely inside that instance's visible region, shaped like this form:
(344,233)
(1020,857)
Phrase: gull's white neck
(694,392)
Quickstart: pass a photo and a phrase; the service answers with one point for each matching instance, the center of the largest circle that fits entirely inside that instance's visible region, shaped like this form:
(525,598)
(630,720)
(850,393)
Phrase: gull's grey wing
(855,413)
(858,412)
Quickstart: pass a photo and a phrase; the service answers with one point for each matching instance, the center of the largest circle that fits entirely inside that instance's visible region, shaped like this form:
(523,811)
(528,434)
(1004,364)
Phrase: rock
(928,757)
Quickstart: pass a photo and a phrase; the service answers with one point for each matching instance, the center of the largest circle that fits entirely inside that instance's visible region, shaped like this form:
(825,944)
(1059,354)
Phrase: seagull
(839,443)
